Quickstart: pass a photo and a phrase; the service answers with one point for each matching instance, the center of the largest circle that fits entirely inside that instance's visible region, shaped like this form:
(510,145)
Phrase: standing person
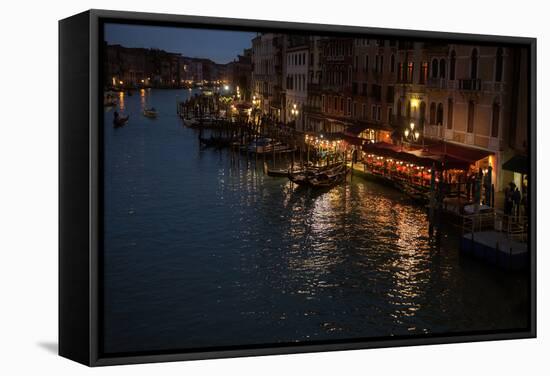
(508,198)
(516,198)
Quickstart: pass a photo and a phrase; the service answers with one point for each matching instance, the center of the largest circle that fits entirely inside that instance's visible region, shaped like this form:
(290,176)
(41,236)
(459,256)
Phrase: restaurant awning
(356,129)
(422,157)
(518,163)
(454,151)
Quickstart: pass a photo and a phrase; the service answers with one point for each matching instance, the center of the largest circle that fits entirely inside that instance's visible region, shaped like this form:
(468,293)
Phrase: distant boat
(120,121)
(150,113)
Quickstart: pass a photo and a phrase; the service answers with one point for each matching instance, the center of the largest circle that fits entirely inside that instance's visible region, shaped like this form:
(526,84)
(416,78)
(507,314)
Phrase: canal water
(205,250)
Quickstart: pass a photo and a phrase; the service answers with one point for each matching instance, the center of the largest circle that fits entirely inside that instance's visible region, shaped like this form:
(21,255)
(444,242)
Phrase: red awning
(355,130)
(452,151)
(423,157)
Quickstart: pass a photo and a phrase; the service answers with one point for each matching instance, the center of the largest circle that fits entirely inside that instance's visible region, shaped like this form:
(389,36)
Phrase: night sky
(217,45)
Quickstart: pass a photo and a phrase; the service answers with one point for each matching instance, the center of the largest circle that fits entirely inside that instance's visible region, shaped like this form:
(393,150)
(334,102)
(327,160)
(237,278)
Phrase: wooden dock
(496,248)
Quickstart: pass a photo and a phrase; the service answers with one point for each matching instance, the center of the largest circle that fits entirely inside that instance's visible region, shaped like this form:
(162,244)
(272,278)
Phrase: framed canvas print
(239,187)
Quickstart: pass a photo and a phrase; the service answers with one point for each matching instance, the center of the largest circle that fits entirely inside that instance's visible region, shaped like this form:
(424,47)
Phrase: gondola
(320,177)
(120,121)
(329,178)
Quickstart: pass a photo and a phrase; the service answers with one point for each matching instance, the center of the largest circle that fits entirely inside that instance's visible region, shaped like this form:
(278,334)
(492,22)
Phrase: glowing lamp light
(406,133)
(416,135)
(412,126)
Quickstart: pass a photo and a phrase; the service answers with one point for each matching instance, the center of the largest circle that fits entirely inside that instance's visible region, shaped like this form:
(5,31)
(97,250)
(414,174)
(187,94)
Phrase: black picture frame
(80,174)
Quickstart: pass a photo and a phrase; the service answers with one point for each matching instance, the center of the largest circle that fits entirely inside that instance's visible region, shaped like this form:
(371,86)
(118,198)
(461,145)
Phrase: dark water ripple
(203,251)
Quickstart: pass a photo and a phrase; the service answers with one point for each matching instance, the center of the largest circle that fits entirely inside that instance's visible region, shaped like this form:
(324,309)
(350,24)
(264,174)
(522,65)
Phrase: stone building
(267,71)
(336,61)
(295,81)
(466,97)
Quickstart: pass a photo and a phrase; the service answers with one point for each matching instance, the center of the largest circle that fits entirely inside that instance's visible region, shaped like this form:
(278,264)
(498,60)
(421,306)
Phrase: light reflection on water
(202,249)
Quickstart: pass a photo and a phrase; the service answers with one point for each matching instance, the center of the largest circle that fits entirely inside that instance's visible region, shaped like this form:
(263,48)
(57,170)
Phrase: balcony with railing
(314,88)
(470,84)
(437,83)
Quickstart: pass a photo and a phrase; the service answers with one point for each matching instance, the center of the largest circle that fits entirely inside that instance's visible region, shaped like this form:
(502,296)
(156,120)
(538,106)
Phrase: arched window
(440,114)
(392,64)
(473,64)
(432,113)
(453,66)
(450,106)
(498,68)
(496,119)
(442,68)
(422,113)
(434,68)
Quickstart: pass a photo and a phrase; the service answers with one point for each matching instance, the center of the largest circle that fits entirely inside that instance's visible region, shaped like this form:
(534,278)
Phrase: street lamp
(294,111)
(411,134)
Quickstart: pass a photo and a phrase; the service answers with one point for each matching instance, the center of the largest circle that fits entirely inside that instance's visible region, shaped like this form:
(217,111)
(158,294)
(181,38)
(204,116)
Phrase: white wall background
(28,186)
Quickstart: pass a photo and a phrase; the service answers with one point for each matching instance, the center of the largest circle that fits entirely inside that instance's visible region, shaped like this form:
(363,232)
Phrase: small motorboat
(150,113)
(120,121)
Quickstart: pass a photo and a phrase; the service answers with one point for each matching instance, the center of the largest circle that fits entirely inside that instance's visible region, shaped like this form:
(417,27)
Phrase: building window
(381,64)
(349,106)
(390,94)
(365,86)
(498,68)
(392,64)
(410,71)
(450,106)
(390,111)
(453,66)
(432,113)
(435,69)
(354,109)
(473,64)
(342,104)
(366,64)
(355,62)
(496,119)
(373,113)
(400,73)
(440,114)
(424,72)
(364,111)
(471,109)
(442,68)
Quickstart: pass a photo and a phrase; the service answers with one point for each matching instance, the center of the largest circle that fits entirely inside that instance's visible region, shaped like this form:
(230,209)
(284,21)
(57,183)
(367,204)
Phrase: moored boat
(120,121)
(320,177)
(150,113)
